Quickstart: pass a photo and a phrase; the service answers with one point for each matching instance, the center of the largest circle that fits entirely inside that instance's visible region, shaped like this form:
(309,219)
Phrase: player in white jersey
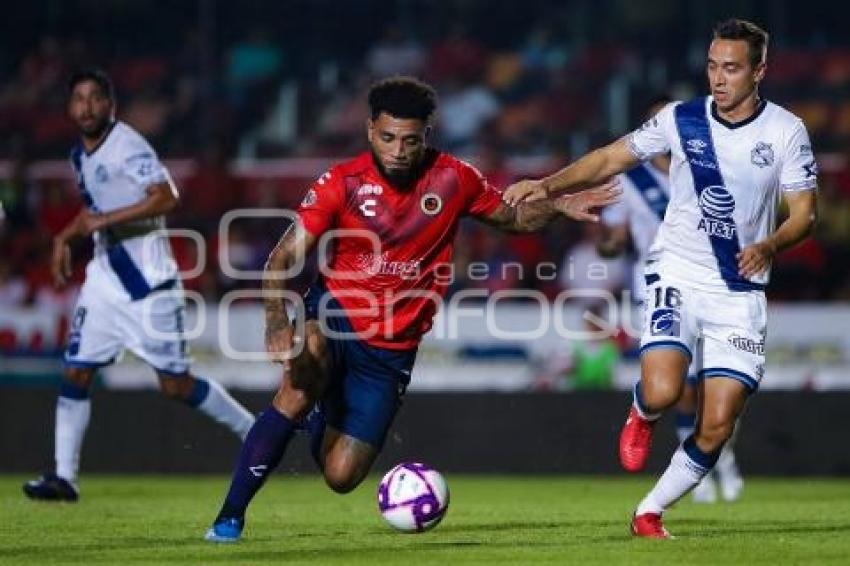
(734,156)
(132,296)
(637,217)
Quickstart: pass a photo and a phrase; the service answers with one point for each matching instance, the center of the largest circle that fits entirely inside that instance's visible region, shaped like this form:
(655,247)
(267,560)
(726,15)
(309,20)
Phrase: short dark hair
(97,76)
(403,97)
(755,37)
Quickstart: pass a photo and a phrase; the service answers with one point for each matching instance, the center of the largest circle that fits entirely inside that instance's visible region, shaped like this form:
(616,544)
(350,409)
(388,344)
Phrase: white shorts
(724,330)
(106,322)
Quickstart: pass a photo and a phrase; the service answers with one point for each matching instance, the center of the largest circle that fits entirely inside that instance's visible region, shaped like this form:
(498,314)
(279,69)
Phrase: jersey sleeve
(484,198)
(140,163)
(799,169)
(653,137)
(322,205)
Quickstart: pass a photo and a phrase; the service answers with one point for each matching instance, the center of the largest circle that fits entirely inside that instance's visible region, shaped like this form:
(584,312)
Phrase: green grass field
(496,520)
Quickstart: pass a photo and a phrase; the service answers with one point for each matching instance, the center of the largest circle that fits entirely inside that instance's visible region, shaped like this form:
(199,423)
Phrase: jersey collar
(102,140)
(735,125)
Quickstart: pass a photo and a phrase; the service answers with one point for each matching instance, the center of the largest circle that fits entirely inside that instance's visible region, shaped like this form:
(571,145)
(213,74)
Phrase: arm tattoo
(527,217)
(279,260)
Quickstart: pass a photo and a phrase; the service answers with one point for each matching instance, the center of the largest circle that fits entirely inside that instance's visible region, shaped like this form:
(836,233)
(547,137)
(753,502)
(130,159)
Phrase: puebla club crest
(762,155)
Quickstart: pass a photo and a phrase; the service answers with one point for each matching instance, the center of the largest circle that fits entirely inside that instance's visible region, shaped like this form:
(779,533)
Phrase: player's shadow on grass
(718,528)
(524,525)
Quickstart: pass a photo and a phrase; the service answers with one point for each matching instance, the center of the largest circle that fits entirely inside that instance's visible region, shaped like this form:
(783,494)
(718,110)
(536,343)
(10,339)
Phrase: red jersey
(390,278)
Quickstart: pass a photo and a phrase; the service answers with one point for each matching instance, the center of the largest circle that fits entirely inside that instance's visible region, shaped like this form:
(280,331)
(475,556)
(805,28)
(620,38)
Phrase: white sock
(72,419)
(224,409)
(680,477)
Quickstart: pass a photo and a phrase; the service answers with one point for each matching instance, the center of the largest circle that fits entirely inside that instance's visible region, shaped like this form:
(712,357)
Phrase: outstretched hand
(578,206)
(529,190)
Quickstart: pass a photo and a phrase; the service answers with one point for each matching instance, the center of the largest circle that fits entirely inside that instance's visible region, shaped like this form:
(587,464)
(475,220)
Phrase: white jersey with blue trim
(726,180)
(646,192)
(116,174)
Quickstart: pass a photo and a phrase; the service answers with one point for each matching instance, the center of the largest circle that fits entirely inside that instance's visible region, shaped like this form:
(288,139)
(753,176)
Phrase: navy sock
(685,420)
(704,459)
(71,390)
(316,426)
(199,393)
(638,398)
(261,453)
(685,423)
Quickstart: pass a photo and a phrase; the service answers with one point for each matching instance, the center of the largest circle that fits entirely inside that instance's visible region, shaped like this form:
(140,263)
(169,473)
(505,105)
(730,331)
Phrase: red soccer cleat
(635,441)
(649,525)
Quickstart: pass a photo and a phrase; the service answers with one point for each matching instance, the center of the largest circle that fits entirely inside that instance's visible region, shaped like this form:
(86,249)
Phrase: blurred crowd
(518,99)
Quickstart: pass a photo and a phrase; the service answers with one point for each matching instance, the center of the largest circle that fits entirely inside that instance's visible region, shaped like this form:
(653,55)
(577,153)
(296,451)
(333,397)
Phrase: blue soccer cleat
(228,529)
(51,487)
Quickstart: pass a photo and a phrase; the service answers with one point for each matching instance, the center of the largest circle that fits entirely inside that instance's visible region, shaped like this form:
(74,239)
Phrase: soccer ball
(413,498)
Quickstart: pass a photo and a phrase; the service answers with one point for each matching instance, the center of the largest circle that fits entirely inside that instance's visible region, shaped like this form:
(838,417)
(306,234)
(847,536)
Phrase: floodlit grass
(492,520)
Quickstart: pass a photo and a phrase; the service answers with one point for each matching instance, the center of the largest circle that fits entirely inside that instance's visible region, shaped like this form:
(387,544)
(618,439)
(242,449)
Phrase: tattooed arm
(290,251)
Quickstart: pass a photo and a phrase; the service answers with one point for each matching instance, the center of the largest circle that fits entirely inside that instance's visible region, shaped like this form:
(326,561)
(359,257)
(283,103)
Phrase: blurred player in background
(734,155)
(401,204)
(132,296)
(636,219)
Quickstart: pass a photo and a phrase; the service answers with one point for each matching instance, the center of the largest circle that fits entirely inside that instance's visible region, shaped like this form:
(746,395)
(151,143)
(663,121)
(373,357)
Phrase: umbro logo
(696,146)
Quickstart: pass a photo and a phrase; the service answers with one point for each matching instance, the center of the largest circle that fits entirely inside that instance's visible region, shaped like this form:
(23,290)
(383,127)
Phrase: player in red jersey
(396,210)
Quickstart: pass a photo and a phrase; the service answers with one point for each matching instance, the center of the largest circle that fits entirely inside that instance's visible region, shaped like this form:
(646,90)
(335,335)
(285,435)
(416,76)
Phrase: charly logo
(717,207)
(747,344)
(431,204)
(696,145)
(762,155)
(665,322)
(100,174)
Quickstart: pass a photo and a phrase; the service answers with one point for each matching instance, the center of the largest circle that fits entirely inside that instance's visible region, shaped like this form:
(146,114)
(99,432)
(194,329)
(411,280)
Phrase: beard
(399,177)
(95,131)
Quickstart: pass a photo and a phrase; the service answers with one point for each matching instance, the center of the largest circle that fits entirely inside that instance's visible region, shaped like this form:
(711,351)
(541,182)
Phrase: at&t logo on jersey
(717,206)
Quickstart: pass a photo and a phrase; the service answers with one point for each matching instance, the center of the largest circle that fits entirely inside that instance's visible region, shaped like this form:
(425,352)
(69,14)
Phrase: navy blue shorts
(366,383)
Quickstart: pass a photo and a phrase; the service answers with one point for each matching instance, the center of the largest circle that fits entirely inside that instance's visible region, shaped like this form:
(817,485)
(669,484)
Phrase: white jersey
(646,192)
(135,256)
(725,186)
